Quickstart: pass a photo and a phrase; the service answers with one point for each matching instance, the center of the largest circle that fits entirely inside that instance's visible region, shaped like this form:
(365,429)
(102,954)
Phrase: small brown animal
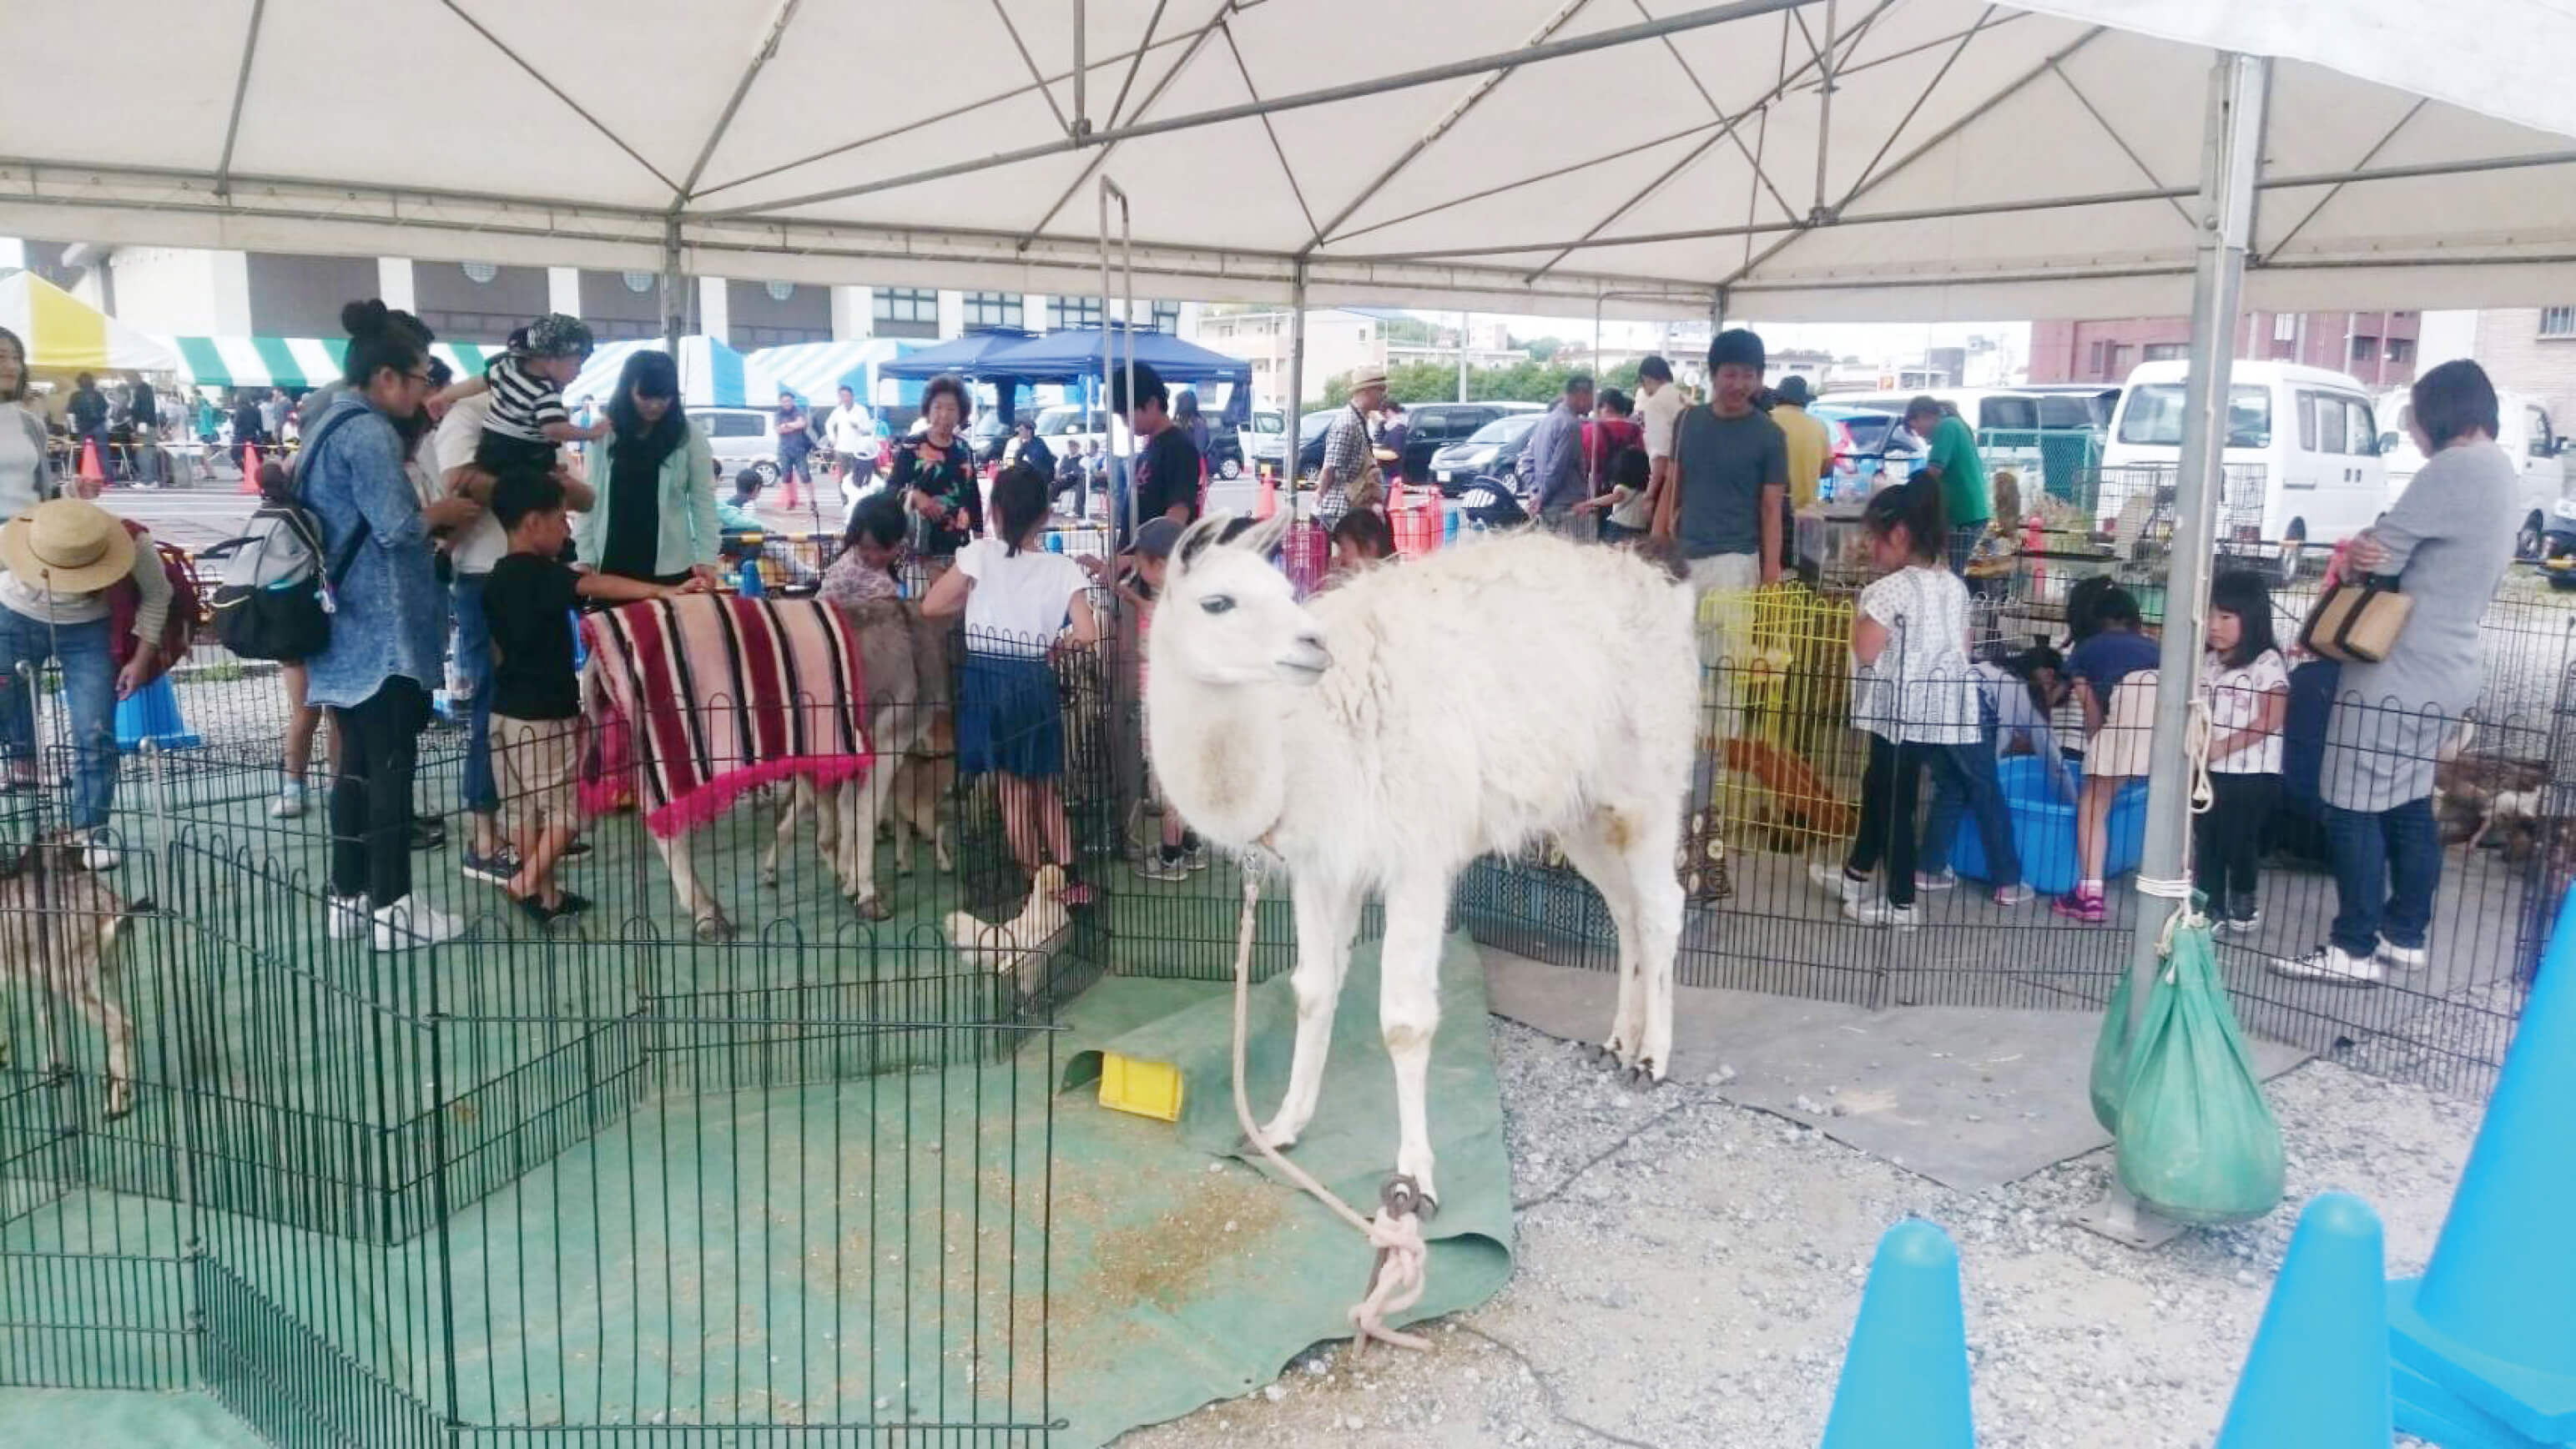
(59,926)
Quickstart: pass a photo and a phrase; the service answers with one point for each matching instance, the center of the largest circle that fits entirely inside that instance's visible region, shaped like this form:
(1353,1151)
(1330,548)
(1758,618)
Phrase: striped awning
(711,373)
(295,361)
(816,371)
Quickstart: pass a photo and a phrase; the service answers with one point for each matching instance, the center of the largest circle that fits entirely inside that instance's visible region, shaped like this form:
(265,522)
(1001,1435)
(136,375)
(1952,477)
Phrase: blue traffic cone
(2317,1377)
(151,716)
(1905,1377)
(2493,1319)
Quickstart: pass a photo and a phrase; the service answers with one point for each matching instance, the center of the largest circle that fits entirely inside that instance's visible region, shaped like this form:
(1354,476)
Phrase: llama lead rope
(1397,1281)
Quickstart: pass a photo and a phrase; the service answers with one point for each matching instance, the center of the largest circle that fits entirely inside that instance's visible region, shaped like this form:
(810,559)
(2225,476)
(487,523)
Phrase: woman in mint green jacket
(655,475)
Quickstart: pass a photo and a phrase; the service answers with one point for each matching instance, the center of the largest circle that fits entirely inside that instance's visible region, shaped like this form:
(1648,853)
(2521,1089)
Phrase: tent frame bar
(1301,100)
(241,97)
(769,46)
(2407,172)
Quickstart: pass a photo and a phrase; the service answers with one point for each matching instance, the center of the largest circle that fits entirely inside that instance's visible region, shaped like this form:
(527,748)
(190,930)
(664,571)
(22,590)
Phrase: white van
(2302,457)
(2527,437)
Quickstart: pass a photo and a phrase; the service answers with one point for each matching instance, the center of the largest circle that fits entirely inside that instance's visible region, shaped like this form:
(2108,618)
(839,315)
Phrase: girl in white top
(1911,690)
(1021,603)
(2245,685)
(24,480)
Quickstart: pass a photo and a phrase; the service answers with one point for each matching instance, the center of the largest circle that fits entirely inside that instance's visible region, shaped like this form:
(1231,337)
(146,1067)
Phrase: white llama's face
(1228,618)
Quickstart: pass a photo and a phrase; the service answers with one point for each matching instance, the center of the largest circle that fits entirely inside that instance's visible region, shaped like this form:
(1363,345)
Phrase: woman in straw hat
(63,558)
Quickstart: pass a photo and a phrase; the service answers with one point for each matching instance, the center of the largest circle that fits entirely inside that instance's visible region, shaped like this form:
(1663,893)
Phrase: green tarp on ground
(1233,1275)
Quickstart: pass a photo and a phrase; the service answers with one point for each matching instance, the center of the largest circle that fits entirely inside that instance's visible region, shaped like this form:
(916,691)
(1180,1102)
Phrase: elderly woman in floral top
(935,476)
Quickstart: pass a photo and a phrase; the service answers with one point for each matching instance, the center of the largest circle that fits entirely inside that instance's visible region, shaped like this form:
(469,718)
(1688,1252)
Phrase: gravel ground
(1689,1270)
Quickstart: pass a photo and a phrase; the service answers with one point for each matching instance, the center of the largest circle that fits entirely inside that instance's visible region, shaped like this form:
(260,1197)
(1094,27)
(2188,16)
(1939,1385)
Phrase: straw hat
(1367,380)
(68,545)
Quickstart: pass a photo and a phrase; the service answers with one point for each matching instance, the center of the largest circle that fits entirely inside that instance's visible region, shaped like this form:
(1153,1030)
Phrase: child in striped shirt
(528,421)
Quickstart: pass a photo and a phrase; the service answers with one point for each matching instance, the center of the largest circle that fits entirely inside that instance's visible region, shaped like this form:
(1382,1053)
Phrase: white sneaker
(2331,964)
(1877,911)
(349,916)
(289,803)
(2013,895)
(1829,878)
(1935,880)
(99,852)
(2391,955)
(413,922)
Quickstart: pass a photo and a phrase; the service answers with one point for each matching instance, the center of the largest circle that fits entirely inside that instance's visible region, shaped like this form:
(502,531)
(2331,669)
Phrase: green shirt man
(1953,461)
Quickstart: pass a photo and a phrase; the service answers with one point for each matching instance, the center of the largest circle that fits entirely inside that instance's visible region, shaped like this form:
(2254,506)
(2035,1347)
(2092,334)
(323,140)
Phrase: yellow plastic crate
(1146,1089)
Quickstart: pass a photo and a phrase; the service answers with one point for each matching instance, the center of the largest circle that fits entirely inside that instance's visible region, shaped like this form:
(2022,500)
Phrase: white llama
(1395,728)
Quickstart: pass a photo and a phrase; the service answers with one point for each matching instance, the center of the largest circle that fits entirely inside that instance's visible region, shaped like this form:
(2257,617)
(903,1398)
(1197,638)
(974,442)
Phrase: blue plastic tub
(2044,830)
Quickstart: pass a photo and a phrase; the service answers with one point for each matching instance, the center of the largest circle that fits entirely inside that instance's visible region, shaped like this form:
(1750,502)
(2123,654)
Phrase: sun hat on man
(1367,380)
(68,545)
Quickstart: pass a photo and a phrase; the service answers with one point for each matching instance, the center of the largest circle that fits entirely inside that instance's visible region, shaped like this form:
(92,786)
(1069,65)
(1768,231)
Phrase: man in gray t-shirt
(1731,469)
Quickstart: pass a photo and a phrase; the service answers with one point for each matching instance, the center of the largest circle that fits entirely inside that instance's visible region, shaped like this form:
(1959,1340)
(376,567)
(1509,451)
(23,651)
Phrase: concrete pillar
(228,292)
(563,290)
(952,314)
(394,284)
(854,313)
(714,311)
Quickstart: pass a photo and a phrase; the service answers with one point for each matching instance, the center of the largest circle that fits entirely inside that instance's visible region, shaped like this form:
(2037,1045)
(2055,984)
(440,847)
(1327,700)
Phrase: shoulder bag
(2357,621)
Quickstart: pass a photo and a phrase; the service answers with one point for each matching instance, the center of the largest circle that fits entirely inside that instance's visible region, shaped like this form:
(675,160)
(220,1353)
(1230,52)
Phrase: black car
(1431,427)
(987,434)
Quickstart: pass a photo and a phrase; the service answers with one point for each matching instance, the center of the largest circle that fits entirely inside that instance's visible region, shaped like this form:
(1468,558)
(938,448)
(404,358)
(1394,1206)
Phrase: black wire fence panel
(739,1153)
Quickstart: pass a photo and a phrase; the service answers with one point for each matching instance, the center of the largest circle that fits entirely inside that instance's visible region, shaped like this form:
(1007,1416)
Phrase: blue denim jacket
(391,619)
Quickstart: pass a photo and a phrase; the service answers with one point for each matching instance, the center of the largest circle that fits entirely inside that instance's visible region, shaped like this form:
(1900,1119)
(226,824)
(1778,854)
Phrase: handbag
(1368,489)
(2357,621)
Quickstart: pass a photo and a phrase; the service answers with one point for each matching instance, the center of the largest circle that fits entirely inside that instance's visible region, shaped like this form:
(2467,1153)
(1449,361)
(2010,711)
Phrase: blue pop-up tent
(1073,356)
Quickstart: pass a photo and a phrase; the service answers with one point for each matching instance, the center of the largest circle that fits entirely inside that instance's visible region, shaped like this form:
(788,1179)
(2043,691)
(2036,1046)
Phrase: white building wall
(853,313)
(181,291)
(715,313)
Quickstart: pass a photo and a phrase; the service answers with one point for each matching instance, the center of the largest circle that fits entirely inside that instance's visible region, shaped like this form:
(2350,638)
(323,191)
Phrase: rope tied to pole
(1397,1281)
(2195,746)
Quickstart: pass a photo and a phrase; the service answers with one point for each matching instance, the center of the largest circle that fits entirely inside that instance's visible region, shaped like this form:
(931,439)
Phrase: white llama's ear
(1228,530)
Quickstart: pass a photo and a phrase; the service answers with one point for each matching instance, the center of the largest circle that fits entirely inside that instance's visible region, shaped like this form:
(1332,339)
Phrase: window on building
(2401,349)
(2285,326)
(2166,352)
(2119,361)
(2101,357)
(906,304)
(2364,349)
(1167,316)
(1072,312)
(992,309)
(2558,321)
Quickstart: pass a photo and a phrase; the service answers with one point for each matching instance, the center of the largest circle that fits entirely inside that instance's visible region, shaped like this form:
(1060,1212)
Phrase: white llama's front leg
(863,804)
(1598,848)
(797,796)
(1408,1012)
(1327,912)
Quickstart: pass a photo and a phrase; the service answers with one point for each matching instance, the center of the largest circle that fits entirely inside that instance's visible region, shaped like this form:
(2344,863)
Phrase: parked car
(1068,423)
(1490,451)
(2302,457)
(1266,440)
(1430,427)
(740,438)
(1225,447)
(1867,442)
(2528,437)
(986,435)
(1311,430)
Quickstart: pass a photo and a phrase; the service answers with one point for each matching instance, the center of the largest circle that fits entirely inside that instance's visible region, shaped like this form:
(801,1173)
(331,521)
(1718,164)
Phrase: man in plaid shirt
(1346,449)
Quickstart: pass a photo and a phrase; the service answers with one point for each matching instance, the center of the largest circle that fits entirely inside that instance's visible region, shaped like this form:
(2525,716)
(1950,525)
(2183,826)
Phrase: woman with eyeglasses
(388,645)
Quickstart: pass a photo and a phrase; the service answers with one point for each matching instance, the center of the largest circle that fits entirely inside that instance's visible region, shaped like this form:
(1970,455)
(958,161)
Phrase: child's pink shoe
(2082,905)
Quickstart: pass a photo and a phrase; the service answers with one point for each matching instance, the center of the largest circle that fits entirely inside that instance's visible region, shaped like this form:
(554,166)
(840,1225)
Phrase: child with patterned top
(2245,684)
(1912,691)
(528,422)
(869,552)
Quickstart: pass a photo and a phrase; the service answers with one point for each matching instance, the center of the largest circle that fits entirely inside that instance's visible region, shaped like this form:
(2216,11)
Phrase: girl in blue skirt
(1021,603)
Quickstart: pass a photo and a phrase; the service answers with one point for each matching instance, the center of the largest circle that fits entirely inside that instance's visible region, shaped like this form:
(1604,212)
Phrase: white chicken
(1021,945)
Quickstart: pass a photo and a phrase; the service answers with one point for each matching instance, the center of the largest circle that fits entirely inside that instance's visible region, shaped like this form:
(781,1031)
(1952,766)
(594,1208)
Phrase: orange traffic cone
(91,470)
(250,468)
(1268,503)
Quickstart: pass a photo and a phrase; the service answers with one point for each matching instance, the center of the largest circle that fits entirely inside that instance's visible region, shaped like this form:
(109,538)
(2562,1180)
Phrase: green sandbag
(2111,1061)
(2197,1142)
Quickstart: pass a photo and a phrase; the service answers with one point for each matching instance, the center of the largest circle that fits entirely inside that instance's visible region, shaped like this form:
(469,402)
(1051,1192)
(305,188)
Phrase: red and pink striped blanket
(695,699)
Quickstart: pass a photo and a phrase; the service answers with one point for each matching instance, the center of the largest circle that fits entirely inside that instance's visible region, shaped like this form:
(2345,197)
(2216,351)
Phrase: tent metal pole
(675,296)
(2231,158)
(1121,446)
(1082,127)
(1297,386)
(1824,107)
(1463,322)
(241,96)
(1328,95)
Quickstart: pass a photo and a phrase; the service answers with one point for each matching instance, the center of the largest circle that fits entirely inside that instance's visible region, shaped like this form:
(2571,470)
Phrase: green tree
(1412,383)
(1543,349)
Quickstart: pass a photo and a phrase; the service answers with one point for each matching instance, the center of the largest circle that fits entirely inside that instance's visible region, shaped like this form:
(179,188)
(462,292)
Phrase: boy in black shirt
(536,699)
(1167,470)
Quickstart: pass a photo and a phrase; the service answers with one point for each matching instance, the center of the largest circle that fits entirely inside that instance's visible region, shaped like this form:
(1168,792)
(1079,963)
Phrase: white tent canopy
(1966,159)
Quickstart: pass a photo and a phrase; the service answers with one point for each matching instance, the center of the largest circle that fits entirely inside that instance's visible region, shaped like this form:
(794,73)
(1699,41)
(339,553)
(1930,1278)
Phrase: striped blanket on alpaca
(693,700)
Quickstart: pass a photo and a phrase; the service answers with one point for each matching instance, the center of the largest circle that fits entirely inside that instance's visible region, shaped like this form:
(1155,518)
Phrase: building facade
(1343,340)
(177,291)
(2376,347)
(2530,350)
